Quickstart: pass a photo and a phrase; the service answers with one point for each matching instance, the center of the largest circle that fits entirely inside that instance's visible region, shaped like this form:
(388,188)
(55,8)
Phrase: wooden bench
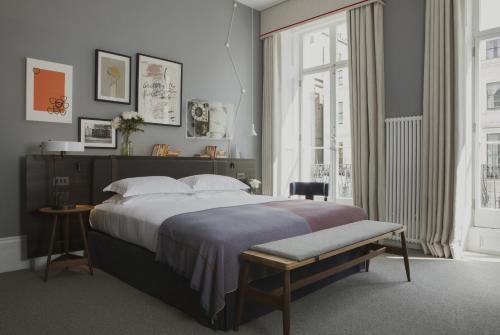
(306,246)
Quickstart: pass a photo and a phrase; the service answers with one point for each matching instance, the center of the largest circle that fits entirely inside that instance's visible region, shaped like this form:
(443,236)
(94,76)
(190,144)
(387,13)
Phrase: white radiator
(403,173)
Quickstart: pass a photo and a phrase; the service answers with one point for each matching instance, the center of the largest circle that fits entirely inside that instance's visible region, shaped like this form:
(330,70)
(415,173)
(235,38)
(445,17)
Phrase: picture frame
(49,91)
(209,120)
(159,90)
(113,79)
(97,133)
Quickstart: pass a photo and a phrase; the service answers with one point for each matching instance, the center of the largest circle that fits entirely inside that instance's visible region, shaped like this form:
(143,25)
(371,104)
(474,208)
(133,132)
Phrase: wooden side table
(67,260)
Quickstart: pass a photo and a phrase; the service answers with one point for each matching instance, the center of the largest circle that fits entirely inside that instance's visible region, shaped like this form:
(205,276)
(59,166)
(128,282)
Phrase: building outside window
(340,112)
(493,49)
(493,95)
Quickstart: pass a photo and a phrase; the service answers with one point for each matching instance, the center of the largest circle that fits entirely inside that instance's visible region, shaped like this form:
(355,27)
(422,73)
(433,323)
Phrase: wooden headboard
(107,170)
(88,175)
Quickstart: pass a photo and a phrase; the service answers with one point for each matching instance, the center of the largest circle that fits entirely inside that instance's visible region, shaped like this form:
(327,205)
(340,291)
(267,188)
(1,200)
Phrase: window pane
(493,137)
(493,48)
(489,14)
(490,176)
(315,127)
(343,135)
(489,119)
(341,43)
(493,95)
(316,48)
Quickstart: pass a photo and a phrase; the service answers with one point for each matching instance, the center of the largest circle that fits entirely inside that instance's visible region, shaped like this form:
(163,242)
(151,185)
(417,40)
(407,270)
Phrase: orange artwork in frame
(48,91)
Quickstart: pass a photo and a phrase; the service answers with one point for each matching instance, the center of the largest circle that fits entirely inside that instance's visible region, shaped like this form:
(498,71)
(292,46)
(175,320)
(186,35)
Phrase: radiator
(403,173)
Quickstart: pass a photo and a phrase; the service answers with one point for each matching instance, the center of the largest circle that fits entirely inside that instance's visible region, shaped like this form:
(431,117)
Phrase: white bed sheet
(138,221)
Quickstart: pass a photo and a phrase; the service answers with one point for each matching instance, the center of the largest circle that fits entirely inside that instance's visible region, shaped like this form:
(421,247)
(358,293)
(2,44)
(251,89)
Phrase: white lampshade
(62,146)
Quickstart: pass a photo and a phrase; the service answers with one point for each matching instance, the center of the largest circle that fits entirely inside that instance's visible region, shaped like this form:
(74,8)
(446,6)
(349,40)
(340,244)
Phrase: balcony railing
(321,173)
(490,186)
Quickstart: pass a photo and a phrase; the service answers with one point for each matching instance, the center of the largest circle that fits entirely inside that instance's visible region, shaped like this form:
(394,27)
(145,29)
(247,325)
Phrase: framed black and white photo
(159,90)
(209,119)
(112,77)
(97,133)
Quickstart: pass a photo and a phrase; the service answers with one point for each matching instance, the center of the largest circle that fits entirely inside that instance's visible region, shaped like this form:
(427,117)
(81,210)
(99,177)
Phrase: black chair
(309,189)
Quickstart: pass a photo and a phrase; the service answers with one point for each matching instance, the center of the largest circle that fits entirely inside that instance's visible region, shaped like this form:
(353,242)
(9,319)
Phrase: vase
(127,148)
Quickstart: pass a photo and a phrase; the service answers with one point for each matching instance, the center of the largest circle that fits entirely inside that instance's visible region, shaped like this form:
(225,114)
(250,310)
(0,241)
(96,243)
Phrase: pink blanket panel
(321,214)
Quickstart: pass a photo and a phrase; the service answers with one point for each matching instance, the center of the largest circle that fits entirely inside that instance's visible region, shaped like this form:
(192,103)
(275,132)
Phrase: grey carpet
(445,297)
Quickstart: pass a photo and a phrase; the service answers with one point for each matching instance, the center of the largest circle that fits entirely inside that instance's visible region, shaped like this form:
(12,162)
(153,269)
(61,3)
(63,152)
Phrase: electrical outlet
(61,181)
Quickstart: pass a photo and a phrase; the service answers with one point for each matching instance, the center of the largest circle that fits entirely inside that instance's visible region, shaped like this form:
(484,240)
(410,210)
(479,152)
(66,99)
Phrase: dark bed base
(137,267)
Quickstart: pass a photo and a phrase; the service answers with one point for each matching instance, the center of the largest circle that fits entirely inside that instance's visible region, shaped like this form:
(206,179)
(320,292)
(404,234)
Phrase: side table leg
(51,247)
(66,236)
(85,244)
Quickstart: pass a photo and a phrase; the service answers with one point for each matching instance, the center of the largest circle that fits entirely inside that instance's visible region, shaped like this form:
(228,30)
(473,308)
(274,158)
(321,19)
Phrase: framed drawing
(112,77)
(209,120)
(159,90)
(49,91)
(96,133)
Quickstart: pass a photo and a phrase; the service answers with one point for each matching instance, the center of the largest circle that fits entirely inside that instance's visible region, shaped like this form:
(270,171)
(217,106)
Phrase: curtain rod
(352,6)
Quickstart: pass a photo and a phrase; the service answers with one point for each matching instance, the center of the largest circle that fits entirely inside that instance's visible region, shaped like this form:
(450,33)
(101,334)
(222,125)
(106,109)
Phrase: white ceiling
(260,4)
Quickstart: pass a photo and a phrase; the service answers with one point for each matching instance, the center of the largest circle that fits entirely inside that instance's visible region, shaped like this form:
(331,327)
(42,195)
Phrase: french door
(324,131)
(487,114)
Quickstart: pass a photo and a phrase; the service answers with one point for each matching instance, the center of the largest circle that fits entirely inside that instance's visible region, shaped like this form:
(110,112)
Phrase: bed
(184,249)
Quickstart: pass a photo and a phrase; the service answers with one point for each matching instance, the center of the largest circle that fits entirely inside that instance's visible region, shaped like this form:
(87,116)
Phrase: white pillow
(118,199)
(147,185)
(221,194)
(212,182)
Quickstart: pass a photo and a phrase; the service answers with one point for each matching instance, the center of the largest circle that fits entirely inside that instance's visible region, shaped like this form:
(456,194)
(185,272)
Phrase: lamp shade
(63,146)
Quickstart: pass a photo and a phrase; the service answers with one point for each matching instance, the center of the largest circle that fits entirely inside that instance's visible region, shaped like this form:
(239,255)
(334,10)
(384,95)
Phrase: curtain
(367,96)
(438,128)
(271,98)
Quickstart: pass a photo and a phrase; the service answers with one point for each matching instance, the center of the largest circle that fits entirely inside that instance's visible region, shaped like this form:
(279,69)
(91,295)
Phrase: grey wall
(68,31)
(404,28)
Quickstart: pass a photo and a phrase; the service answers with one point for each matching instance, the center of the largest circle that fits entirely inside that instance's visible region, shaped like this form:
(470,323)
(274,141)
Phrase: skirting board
(13,255)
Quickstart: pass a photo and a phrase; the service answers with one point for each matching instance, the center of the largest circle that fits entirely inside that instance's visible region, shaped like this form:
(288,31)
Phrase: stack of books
(163,150)
(160,150)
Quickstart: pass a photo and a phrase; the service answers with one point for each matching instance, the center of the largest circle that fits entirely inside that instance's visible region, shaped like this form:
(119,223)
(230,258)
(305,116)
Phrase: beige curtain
(366,73)
(271,98)
(439,116)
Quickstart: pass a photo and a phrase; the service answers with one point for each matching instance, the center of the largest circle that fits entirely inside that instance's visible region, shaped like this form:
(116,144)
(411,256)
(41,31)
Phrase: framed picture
(209,119)
(159,90)
(96,133)
(49,91)
(112,77)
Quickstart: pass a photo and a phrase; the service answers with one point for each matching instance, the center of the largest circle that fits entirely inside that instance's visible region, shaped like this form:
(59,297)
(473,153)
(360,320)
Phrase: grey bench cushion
(314,244)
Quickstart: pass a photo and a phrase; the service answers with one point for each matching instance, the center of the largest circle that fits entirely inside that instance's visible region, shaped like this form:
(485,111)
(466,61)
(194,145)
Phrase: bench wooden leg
(367,265)
(286,302)
(241,296)
(405,255)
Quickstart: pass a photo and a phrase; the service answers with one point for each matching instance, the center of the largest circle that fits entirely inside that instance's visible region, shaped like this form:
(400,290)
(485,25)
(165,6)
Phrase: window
(493,95)
(493,49)
(315,142)
(340,112)
(487,113)
(340,77)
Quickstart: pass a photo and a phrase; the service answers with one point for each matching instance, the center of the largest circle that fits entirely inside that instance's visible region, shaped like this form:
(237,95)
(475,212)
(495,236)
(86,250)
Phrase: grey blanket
(205,246)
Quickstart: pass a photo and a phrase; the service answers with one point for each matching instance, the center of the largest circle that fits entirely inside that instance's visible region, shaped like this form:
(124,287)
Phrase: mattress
(137,220)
